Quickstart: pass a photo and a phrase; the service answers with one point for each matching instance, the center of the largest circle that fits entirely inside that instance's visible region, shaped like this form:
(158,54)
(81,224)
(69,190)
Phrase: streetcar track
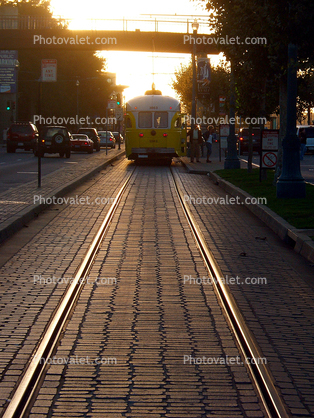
(24,394)
(249,348)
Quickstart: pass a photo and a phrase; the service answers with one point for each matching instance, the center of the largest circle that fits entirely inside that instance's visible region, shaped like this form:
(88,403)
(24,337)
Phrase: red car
(21,135)
(81,142)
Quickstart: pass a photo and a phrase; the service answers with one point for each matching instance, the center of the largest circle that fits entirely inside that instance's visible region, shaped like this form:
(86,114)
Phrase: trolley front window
(161,120)
(145,119)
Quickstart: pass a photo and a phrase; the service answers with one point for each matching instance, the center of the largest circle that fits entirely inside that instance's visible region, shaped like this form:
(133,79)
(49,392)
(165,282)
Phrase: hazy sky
(135,69)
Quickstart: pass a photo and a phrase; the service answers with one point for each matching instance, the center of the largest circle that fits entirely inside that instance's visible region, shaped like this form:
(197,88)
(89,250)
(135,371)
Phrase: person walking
(208,136)
(196,140)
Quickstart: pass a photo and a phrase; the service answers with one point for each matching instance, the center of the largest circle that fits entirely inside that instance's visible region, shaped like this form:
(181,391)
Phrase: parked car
(21,135)
(244,139)
(309,132)
(117,135)
(81,142)
(54,139)
(93,135)
(107,139)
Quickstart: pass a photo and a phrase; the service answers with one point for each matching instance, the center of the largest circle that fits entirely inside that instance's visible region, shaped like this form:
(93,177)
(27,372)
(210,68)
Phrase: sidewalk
(17,205)
(299,239)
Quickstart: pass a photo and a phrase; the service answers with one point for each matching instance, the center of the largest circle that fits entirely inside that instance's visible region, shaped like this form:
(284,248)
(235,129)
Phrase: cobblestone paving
(142,319)
(17,198)
(28,291)
(279,313)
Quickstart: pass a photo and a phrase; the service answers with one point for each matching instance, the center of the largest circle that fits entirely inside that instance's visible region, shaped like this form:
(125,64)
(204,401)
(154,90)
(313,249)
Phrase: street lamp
(291,184)
(195,26)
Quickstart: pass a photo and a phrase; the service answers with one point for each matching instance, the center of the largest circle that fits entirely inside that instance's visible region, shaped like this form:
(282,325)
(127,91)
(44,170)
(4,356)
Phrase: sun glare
(138,70)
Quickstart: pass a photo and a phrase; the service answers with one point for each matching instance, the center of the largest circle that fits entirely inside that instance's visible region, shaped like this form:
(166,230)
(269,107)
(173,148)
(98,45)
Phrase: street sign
(224,130)
(119,114)
(269,150)
(8,71)
(222,102)
(223,138)
(270,138)
(48,70)
(112,104)
(269,159)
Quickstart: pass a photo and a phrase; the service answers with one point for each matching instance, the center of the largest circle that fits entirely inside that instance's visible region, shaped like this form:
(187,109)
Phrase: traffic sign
(269,159)
(268,150)
(48,70)
(270,139)
(119,114)
(112,104)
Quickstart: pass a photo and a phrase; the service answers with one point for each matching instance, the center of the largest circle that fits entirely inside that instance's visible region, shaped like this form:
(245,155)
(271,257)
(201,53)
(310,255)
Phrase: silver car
(107,139)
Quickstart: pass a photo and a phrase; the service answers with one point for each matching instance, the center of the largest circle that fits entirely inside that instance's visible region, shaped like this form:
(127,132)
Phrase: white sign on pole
(269,149)
(48,70)
(223,135)
(270,139)
(119,114)
(269,159)
(112,104)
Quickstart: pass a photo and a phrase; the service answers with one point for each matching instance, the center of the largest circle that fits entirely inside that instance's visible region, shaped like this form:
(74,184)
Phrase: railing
(151,25)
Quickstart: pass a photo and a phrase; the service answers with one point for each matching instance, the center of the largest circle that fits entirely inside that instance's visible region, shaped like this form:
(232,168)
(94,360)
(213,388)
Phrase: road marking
(27,172)
(70,162)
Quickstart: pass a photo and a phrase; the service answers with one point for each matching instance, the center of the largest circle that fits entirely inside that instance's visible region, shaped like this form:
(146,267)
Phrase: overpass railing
(145,24)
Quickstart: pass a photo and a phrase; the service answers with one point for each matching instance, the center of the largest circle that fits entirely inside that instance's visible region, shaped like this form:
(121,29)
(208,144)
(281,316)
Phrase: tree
(219,86)
(61,98)
(305,94)
(182,84)
(281,22)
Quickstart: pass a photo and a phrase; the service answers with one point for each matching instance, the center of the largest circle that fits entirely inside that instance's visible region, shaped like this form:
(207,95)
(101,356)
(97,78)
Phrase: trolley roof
(153,103)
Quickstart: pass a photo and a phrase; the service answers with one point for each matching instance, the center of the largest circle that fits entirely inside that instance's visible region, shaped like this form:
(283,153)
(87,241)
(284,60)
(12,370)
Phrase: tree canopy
(81,82)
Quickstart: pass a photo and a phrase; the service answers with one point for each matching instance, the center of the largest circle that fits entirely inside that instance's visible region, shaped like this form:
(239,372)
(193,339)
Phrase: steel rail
(260,373)
(29,383)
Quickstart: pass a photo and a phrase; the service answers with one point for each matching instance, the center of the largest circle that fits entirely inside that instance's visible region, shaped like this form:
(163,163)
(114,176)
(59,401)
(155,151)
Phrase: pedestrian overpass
(147,35)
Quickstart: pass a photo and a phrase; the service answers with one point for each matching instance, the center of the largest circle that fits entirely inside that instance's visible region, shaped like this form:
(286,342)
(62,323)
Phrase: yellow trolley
(154,128)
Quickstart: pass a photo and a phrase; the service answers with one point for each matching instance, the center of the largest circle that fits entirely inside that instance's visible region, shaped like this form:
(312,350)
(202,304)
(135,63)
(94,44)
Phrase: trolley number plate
(142,156)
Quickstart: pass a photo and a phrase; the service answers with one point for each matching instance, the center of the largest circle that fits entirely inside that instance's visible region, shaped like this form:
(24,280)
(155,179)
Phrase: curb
(301,243)
(192,170)
(17,222)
